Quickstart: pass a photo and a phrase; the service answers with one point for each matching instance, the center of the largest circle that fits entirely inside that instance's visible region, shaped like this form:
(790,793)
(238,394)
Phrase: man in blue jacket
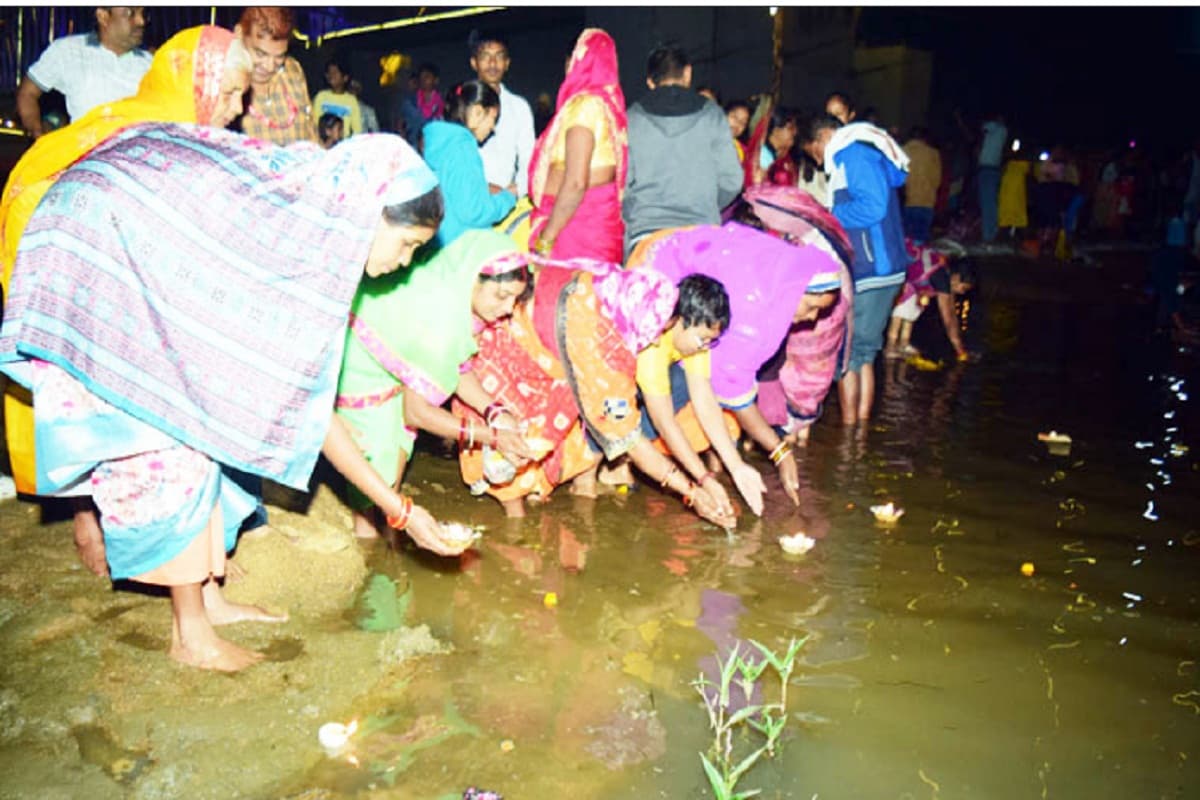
(865,167)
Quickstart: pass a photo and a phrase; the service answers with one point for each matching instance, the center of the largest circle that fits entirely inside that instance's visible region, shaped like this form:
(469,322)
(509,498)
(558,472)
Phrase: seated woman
(197,76)
(410,333)
(577,172)
(219,272)
(564,362)
(793,384)
(451,150)
(786,286)
(681,411)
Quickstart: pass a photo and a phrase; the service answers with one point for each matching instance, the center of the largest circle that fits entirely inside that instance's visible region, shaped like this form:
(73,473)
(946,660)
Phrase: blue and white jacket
(866,167)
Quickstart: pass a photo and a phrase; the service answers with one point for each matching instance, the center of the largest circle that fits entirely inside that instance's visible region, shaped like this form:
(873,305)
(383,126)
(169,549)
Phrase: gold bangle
(667,476)
(782,451)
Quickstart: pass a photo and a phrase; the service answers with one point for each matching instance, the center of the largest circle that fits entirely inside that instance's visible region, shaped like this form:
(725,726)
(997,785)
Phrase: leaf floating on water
(1063,645)
(383,610)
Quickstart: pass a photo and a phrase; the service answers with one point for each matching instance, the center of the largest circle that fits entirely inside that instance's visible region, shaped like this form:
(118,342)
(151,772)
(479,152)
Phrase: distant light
(1016,145)
(1045,156)
(1132,143)
(774,10)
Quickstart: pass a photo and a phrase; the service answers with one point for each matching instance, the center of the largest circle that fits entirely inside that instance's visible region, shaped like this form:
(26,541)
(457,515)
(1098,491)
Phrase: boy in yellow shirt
(673,374)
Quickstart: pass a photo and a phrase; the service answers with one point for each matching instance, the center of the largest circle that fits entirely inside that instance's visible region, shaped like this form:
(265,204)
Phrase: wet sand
(934,667)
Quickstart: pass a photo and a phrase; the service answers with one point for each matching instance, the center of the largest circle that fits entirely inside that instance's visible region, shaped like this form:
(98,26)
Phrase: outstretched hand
(750,484)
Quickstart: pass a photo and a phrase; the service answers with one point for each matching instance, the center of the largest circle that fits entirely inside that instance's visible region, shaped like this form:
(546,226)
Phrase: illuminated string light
(398,23)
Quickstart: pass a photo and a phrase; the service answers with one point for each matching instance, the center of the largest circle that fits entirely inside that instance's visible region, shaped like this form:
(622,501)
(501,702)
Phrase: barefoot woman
(178,307)
(199,76)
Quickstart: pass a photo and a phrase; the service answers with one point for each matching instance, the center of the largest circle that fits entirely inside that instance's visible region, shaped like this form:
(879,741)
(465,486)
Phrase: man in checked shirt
(279,109)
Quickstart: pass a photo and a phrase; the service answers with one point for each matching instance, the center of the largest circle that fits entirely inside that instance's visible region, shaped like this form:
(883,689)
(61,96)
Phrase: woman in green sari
(407,347)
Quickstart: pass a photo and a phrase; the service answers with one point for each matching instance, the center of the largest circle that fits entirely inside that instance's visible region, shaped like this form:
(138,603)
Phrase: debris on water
(1027,569)
(550,599)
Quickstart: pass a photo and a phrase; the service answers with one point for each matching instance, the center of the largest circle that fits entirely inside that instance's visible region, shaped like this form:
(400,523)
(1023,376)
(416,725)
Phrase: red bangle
(400,521)
(492,411)
(688,500)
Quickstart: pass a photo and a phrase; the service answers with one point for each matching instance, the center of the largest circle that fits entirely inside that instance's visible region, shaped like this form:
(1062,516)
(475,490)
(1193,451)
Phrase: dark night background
(1083,77)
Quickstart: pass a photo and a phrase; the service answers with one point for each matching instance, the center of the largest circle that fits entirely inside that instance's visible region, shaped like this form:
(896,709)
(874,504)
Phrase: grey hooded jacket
(683,168)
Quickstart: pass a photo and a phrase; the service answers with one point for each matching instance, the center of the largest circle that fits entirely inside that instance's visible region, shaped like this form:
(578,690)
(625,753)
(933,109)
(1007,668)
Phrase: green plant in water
(722,767)
(383,609)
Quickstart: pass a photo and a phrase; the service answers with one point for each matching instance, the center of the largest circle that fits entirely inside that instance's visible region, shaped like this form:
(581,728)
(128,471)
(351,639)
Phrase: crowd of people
(190,310)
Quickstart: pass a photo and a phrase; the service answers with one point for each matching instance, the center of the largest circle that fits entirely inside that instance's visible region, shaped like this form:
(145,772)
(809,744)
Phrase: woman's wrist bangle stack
(492,411)
(466,434)
(667,476)
(689,495)
(781,451)
(543,246)
(400,521)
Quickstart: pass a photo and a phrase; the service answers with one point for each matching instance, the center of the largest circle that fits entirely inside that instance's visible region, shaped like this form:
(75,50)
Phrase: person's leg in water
(856,389)
(196,607)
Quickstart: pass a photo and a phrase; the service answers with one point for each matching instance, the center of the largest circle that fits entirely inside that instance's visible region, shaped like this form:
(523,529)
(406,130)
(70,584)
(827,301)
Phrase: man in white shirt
(507,152)
(90,69)
(991,153)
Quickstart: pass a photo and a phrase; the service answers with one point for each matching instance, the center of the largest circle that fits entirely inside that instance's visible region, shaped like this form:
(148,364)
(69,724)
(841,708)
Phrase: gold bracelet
(666,477)
(780,453)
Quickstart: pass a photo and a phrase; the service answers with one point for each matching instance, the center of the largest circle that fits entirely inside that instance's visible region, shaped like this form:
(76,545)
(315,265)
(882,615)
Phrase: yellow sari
(182,85)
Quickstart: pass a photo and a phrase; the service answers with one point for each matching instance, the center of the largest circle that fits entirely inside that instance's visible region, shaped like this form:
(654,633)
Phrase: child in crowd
(338,99)
(330,129)
(429,99)
(930,274)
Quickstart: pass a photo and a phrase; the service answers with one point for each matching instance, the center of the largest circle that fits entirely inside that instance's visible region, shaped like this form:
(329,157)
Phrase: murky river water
(934,668)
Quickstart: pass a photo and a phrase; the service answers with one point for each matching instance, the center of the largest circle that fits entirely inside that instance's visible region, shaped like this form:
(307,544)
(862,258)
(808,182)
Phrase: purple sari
(765,278)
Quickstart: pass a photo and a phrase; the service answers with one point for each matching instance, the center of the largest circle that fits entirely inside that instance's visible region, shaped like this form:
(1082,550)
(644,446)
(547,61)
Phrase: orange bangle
(688,498)
(400,521)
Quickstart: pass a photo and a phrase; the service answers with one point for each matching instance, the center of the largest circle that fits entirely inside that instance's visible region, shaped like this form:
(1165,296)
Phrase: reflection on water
(934,667)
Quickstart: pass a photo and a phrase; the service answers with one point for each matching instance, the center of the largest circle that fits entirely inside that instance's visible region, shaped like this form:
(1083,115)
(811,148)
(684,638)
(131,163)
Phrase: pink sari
(795,384)
(596,229)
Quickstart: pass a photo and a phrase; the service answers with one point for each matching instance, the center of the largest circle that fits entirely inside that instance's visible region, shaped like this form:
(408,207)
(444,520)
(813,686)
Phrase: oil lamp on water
(797,544)
(335,737)
(888,514)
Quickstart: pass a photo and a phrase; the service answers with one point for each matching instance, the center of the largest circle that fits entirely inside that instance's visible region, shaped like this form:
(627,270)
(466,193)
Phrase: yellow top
(654,364)
(586,111)
(924,174)
(166,94)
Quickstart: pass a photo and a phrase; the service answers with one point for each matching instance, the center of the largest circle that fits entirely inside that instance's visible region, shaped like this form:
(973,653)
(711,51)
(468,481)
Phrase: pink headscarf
(591,70)
(639,302)
(812,349)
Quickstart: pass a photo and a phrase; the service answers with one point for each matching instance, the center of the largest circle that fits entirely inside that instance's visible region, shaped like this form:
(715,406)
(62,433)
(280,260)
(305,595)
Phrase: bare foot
(193,640)
(618,475)
(514,508)
(364,526)
(234,572)
(584,485)
(222,612)
(216,654)
(89,541)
